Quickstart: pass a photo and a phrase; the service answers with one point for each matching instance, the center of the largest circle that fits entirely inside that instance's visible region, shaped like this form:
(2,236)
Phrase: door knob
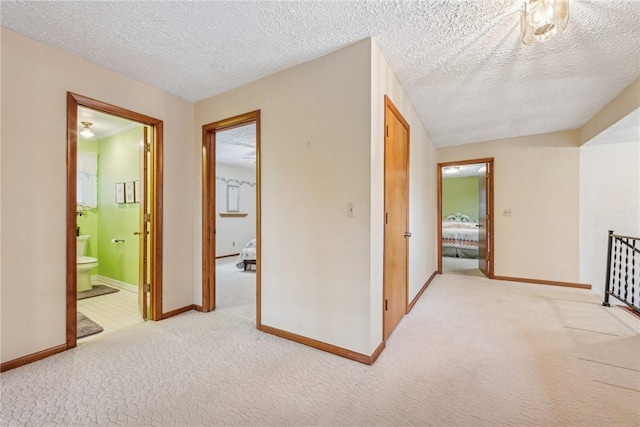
(407,234)
(137,233)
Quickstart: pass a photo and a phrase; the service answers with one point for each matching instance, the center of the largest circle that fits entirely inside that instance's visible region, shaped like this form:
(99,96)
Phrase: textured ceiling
(237,146)
(460,61)
(103,125)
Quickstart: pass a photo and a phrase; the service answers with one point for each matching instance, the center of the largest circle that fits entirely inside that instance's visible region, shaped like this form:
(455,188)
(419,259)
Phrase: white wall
(609,200)
(422,189)
(232,233)
(536,177)
(315,158)
(35,81)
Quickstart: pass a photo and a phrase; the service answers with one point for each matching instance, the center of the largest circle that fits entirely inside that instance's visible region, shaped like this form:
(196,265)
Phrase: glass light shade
(86,131)
(451,170)
(540,20)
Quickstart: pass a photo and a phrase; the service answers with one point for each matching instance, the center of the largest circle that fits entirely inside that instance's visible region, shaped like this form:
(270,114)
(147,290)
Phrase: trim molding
(424,288)
(199,308)
(376,353)
(178,311)
(543,282)
(629,310)
(329,348)
(12,364)
(117,283)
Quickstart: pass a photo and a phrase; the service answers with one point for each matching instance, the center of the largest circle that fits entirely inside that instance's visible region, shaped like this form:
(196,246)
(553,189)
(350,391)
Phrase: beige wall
(422,188)
(536,177)
(232,234)
(35,80)
(315,158)
(321,270)
(609,200)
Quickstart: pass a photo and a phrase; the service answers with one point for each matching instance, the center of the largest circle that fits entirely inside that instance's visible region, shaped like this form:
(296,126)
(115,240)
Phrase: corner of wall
(422,189)
(627,101)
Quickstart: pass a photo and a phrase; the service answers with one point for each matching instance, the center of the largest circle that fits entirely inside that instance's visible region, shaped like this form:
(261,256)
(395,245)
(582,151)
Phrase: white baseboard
(117,283)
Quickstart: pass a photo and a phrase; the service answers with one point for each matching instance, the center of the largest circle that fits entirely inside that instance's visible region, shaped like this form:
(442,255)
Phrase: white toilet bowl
(84,264)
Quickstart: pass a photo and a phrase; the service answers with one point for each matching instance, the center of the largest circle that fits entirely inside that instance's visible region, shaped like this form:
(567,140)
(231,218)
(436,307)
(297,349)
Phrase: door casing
(209,209)
(155,236)
(490,210)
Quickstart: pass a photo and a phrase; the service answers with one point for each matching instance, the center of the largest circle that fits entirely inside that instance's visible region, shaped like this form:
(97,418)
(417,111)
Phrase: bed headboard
(458,217)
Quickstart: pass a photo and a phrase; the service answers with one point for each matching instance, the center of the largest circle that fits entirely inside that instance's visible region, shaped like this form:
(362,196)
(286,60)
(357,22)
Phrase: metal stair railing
(623,271)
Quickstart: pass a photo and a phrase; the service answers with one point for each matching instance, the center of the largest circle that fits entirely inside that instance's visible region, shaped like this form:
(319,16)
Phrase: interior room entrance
(231,216)
(114,213)
(465,209)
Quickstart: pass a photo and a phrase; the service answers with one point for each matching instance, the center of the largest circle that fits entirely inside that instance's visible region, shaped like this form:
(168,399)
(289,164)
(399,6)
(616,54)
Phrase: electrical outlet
(351,211)
(506,212)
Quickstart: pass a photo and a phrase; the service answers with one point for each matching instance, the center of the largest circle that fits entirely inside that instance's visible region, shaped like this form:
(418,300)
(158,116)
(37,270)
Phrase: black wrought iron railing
(623,271)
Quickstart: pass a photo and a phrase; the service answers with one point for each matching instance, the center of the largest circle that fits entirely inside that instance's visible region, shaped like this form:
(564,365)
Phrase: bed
(460,236)
(247,256)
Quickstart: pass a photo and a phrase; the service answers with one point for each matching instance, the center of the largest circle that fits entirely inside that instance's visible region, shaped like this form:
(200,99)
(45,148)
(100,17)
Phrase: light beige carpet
(499,354)
(235,289)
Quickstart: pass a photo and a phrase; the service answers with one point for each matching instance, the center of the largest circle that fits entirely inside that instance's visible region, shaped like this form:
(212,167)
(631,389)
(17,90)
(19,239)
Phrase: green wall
(88,221)
(460,195)
(118,161)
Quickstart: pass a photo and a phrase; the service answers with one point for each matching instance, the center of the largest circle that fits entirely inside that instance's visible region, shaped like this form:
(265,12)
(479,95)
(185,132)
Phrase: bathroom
(108,221)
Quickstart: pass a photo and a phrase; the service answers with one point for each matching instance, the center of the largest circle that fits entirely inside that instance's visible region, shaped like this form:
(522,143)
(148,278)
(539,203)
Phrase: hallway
(498,354)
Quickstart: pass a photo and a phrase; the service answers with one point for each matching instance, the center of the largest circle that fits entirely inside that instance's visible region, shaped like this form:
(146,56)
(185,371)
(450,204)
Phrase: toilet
(84,264)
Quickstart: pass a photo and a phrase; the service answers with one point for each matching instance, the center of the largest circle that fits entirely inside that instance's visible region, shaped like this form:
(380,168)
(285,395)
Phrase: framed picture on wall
(129,192)
(136,191)
(119,192)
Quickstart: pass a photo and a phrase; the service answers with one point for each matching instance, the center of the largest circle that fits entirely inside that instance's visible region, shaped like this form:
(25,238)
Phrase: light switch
(351,211)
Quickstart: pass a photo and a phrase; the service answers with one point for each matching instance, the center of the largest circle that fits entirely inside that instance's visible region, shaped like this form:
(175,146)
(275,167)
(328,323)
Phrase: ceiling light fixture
(451,170)
(86,132)
(540,20)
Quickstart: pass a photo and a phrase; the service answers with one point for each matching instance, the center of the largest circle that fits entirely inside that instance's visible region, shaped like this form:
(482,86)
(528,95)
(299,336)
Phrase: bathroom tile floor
(112,312)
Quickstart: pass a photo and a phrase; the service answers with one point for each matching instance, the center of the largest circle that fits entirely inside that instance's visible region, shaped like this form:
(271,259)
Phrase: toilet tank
(81,245)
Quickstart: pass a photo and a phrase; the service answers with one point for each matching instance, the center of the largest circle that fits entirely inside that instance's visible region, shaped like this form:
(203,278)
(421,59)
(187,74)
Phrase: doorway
(396,218)
(465,217)
(231,257)
(135,195)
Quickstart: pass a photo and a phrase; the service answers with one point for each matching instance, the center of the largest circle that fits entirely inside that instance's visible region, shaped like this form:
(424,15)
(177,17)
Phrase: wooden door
(396,219)
(484,255)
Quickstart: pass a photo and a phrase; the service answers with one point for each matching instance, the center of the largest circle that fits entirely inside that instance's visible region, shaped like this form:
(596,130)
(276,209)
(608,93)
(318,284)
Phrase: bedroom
(462,199)
(235,249)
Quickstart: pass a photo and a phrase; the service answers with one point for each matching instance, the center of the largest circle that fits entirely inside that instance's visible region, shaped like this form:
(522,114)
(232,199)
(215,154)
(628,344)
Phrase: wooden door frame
(388,103)
(490,211)
(73,102)
(209,209)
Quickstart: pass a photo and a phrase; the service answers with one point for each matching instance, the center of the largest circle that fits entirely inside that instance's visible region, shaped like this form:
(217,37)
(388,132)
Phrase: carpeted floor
(235,289)
(473,352)
(96,291)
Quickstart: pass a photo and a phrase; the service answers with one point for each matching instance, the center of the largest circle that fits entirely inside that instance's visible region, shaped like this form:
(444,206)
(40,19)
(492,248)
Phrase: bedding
(248,253)
(460,236)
